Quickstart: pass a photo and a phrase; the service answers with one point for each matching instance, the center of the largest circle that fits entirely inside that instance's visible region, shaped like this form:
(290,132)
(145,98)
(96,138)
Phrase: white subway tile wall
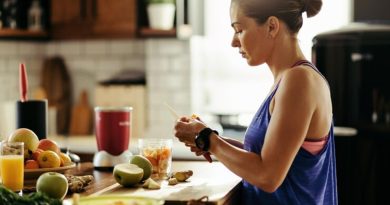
(167,82)
(166,61)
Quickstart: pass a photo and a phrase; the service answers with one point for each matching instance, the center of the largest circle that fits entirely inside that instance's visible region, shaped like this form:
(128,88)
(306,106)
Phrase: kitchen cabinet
(15,18)
(22,34)
(82,19)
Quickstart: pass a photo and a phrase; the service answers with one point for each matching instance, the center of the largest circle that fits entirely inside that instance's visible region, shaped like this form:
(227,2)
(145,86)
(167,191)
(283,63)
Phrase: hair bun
(311,7)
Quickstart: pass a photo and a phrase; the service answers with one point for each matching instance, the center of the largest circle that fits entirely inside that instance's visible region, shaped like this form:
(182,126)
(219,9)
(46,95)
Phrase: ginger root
(77,184)
(172,181)
(182,175)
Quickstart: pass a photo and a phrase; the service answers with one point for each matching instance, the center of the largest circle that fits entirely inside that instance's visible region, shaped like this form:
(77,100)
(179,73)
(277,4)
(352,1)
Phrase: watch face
(201,144)
(203,139)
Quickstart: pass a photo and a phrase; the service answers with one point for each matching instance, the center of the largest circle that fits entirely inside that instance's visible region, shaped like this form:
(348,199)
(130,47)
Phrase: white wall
(166,62)
(87,61)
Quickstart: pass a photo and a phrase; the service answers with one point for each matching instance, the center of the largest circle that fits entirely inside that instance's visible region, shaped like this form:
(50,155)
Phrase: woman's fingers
(184,132)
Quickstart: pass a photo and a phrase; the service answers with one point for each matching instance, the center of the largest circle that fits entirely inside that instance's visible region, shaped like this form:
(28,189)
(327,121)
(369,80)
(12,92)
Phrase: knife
(176,116)
(23,82)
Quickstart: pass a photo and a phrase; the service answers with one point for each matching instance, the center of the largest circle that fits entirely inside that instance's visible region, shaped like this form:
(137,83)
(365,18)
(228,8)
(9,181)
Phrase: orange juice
(11,169)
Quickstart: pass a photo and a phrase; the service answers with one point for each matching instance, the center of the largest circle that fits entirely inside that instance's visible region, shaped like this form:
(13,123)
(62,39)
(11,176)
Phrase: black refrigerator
(356,62)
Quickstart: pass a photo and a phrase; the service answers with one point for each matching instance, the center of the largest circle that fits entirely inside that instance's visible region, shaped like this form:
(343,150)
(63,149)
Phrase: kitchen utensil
(23,82)
(57,85)
(113,131)
(81,118)
(176,116)
(32,114)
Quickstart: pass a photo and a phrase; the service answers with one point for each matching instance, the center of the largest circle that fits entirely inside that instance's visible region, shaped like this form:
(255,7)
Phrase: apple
(128,174)
(29,138)
(144,164)
(53,184)
(49,159)
(48,144)
(151,184)
(36,154)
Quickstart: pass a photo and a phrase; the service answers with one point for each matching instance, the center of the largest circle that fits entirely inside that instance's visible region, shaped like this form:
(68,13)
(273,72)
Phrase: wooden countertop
(209,179)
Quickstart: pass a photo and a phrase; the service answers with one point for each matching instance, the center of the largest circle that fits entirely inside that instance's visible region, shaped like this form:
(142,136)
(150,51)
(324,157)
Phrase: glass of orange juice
(11,165)
(159,152)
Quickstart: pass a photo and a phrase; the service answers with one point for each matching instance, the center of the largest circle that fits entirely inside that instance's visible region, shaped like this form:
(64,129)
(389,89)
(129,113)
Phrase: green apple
(53,184)
(128,174)
(144,164)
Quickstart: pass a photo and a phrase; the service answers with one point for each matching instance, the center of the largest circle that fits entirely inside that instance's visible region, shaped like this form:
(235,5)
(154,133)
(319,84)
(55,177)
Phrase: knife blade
(176,116)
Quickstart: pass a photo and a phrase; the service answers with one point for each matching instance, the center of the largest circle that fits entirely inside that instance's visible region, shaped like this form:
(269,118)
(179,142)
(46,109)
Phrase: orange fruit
(49,159)
(65,159)
(31,164)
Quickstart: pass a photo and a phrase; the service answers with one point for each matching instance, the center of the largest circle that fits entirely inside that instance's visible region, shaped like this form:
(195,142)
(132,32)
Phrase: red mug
(113,129)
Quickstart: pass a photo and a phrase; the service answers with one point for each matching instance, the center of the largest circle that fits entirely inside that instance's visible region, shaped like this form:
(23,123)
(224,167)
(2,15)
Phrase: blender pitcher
(113,132)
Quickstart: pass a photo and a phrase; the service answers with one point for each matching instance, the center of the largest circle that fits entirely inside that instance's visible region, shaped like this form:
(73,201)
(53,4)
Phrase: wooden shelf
(22,34)
(148,32)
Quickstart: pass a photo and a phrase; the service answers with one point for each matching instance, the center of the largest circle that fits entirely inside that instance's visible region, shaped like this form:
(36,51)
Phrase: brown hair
(289,11)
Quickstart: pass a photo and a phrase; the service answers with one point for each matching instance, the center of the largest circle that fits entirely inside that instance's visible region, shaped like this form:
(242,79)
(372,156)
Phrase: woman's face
(251,39)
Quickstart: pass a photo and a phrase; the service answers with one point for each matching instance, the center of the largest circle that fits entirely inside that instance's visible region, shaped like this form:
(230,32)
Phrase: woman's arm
(295,103)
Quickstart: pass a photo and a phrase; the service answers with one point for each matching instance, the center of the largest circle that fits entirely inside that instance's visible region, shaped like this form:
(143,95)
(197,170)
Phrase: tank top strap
(310,64)
(271,95)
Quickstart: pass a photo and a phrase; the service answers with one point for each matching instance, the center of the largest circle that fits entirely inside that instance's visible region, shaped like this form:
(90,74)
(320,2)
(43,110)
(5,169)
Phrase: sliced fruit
(151,184)
(144,164)
(128,174)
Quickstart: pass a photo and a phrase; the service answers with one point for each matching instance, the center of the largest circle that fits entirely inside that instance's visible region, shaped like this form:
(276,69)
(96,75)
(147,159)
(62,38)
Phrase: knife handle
(207,157)
(23,82)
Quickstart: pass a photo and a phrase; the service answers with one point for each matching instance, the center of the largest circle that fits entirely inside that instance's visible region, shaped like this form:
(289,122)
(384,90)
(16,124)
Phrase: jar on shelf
(35,16)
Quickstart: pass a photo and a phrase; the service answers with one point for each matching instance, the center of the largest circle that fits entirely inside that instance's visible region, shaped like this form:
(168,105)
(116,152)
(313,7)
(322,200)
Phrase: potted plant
(161,13)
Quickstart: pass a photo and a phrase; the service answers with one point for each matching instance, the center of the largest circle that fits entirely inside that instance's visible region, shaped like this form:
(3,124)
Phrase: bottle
(9,13)
(35,16)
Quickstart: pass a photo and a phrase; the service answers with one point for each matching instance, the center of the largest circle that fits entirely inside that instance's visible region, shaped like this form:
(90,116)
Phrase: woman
(288,153)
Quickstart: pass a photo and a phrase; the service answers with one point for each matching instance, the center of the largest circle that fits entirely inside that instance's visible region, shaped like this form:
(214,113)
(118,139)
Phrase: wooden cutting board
(210,179)
(81,117)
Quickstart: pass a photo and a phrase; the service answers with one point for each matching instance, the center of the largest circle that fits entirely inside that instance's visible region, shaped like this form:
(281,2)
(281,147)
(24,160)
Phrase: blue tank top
(311,179)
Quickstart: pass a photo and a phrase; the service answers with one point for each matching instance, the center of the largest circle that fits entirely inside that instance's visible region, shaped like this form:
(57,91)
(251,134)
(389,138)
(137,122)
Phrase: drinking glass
(11,165)
(159,152)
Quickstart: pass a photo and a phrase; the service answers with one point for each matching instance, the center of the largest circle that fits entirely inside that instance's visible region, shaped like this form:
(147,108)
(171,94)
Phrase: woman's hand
(197,151)
(186,129)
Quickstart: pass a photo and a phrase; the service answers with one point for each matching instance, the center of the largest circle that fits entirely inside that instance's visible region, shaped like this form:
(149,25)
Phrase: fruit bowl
(35,173)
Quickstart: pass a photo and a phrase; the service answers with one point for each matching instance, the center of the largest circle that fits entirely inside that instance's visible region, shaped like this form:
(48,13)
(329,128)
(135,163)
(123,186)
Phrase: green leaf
(9,197)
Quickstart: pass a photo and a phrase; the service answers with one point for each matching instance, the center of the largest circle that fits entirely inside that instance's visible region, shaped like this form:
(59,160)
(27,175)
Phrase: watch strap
(202,141)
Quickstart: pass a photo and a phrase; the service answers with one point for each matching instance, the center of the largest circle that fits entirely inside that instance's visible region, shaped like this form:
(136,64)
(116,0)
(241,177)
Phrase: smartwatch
(202,140)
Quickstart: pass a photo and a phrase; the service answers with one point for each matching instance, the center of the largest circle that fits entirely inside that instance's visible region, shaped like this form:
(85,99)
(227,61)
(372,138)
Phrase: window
(223,82)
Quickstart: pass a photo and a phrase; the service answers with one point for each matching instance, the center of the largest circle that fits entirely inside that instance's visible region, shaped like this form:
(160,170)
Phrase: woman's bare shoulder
(302,77)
